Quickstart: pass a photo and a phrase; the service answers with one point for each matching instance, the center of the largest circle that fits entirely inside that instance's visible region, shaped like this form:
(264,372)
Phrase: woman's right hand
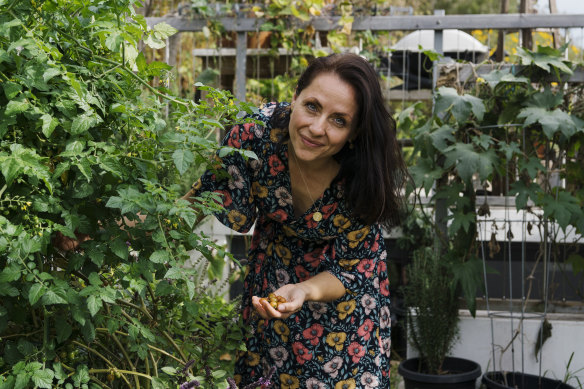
(65,243)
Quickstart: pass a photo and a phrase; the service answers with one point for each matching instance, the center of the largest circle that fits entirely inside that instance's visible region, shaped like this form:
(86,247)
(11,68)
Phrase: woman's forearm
(322,287)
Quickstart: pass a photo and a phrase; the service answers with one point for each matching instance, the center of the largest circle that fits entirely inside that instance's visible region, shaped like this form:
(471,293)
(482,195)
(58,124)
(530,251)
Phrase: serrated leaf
(15,107)
(11,89)
(81,376)
(49,124)
(174,273)
(51,297)
(169,370)
(10,273)
(461,106)
(35,293)
(84,122)
(43,378)
(159,256)
(163,30)
(183,158)
(93,304)
(62,328)
(119,248)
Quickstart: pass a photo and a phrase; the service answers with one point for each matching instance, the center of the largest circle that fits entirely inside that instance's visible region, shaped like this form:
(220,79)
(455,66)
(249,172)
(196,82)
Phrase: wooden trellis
(242,25)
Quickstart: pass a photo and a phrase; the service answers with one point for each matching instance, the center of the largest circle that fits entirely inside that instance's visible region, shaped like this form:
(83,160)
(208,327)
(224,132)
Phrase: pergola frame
(243,25)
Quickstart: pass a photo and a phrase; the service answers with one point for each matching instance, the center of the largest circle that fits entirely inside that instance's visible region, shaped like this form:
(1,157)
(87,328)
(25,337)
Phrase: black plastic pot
(496,380)
(463,375)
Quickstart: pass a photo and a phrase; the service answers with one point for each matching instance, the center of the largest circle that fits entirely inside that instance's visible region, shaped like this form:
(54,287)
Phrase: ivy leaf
(577,262)
(544,58)
(497,76)
(461,107)
(551,121)
(523,193)
(425,174)
(43,378)
(183,159)
(468,161)
(35,293)
(562,209)
(442,137)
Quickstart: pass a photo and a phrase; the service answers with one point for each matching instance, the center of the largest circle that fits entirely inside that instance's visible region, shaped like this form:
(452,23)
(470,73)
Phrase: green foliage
(86,145)
(520,127)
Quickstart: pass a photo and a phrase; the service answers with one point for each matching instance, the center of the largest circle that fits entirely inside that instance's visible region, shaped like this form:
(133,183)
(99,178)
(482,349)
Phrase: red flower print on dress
(226,196)
(313,333)
(279,215)
(365,329)
(356,351)
(314,258)
(247,133)
(366,266)
(384,287)
(302,273)
(276,165)
(234,139)
(310,222)
(328,210)
(301,352)
(381,266)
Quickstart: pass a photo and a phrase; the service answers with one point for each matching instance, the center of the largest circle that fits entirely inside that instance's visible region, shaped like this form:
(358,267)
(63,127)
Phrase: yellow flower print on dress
(282,329)
(357,236)
(252,359)
(348,264)
(289,382)
(346,384)
(259,190)
(341,222)
(336,340)
(284,253)
(346,308)
(237,219)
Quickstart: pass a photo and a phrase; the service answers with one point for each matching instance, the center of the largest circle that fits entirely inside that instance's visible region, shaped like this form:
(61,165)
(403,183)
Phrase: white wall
(567,339)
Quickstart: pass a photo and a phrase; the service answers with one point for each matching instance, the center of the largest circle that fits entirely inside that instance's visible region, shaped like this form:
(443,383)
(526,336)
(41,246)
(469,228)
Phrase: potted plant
(433,326)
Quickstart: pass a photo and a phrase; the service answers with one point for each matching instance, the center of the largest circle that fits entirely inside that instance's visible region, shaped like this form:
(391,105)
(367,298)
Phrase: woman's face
(322,118)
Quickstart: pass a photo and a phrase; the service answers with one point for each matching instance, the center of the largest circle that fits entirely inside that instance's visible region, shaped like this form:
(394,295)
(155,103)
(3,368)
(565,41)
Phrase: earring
(351,144)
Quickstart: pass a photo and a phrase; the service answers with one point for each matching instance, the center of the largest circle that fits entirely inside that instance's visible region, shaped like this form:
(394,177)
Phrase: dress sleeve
(231,179)
(356,256)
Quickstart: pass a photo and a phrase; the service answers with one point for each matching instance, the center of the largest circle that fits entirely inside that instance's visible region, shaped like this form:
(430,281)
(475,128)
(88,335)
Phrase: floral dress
(341,344)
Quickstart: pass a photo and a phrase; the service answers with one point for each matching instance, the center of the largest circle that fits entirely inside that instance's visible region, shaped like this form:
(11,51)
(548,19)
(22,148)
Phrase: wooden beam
(393,23)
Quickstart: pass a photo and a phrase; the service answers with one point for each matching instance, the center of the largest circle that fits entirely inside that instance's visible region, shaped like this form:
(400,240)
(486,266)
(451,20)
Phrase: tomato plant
(86,145)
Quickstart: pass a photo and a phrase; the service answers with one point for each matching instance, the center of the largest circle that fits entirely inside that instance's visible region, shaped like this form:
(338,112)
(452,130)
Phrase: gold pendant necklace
(317,215)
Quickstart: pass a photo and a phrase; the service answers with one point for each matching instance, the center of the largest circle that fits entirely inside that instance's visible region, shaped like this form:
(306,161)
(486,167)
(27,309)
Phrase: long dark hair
(373,168)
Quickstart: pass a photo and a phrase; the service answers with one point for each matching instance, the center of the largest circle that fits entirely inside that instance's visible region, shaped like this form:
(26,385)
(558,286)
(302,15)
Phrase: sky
(567,7)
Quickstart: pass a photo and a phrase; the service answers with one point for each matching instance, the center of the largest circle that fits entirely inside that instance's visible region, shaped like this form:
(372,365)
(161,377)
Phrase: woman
(329,174)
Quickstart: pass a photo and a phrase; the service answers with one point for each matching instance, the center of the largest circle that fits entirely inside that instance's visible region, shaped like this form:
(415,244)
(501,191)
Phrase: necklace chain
(317,215)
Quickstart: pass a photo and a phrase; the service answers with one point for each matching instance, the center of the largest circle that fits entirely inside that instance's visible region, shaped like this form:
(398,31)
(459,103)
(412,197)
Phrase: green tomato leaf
(163,30)
(16,106)
(93,304)
(183,158)
(35,293)
(63,328)
(159,256)
(11,89)
(119,248)
(51,297)
(43,378)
